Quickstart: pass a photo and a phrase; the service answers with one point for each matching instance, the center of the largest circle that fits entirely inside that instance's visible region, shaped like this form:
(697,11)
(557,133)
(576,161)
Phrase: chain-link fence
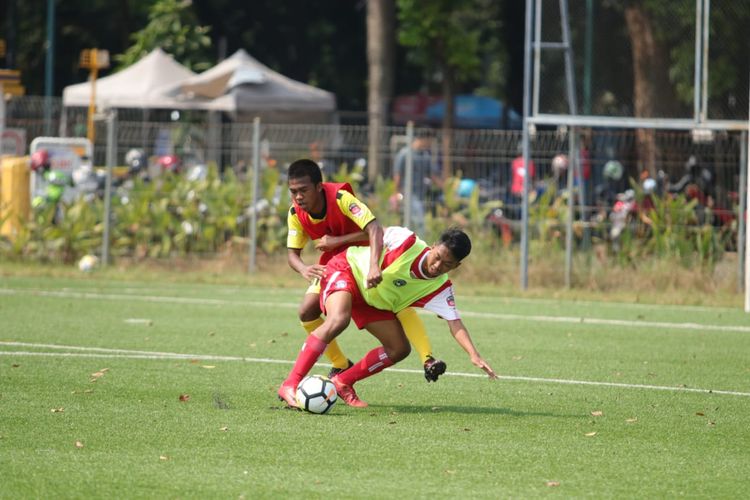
(172,203)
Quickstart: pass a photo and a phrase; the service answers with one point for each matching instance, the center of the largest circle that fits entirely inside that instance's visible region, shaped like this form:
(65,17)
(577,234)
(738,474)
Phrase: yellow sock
(415,332)
(333,351)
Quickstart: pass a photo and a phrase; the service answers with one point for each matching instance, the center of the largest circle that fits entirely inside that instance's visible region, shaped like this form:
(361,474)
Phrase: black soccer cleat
(433,368)
(335,371)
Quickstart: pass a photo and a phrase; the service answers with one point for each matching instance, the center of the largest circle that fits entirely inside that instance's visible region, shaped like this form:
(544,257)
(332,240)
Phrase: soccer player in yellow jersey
(330,215)
(413,274)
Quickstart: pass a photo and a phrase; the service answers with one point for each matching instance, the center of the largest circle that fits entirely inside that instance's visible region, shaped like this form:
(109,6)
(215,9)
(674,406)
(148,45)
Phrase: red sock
(308,356)
(374,362)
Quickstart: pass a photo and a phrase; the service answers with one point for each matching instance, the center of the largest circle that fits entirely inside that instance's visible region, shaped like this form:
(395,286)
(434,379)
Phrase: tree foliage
(444,35)
(173,27)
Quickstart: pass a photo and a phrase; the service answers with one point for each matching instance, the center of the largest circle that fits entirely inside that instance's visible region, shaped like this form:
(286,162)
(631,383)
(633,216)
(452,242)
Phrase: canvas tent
(242,85)
(150,83)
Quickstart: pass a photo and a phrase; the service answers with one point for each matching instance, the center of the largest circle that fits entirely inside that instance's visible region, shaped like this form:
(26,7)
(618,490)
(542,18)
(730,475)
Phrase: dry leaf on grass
(631,420)
(597,413)
(97,375)
(590,434)
(208,367)
(700,414)
(57,410)
(79,444)
(224,429)
(163,457)
(184,397)
(552,484)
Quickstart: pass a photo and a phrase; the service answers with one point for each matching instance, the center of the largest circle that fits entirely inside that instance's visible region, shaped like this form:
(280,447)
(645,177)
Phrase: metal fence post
(527,82)
(741,223)
(256,190)
(408,174)
(111,118)
(747,233)
(572,170)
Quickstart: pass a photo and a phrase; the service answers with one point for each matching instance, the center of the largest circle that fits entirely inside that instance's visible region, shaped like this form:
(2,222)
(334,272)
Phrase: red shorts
(339,278)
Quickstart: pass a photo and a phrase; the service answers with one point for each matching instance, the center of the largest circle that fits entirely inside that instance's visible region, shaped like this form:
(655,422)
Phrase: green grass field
(595,400)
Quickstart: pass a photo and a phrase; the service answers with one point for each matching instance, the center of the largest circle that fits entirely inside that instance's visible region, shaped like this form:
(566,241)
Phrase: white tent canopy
(149,83)
(241,84)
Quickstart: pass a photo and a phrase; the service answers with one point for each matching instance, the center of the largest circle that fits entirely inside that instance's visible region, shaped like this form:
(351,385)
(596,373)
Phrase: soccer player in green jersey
(413,275)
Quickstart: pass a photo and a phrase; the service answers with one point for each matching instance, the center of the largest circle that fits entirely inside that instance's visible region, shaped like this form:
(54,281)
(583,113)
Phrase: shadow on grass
(472,410)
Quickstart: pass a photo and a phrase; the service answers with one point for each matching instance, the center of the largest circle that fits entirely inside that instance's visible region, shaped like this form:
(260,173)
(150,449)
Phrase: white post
(747,229)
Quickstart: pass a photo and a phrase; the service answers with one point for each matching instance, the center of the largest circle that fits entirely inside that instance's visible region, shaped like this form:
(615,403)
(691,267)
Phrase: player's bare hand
(316,271)
(326,243)
(481,363)
(374,277)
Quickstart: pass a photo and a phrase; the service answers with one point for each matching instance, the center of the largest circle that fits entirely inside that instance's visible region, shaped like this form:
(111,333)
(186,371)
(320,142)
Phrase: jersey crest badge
(355,209)
(451,301)
(399,282)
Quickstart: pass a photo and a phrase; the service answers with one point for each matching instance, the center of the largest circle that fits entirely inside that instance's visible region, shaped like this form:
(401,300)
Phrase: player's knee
(399,352)
(308,311)
(337,324)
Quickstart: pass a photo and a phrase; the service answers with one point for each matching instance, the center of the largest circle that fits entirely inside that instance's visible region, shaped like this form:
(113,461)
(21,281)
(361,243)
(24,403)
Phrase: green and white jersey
(404,284)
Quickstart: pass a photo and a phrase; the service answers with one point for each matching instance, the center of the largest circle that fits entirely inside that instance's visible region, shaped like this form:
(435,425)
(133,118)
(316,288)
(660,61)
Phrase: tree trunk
(381,20)
(652,93)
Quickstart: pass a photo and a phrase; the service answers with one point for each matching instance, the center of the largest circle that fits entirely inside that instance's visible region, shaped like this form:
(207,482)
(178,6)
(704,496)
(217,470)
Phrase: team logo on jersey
(451,301)
(340,284)
(355,209)
(399,282)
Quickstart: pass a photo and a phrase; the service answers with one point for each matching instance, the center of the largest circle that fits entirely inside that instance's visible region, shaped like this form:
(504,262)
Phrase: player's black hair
(305,168)
(457,242)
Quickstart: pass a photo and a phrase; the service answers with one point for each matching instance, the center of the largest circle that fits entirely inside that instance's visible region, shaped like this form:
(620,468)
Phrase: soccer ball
(316,394)
(88,263)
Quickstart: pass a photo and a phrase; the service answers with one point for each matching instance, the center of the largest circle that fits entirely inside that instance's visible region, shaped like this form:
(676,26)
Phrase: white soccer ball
(316,394)
(88,262)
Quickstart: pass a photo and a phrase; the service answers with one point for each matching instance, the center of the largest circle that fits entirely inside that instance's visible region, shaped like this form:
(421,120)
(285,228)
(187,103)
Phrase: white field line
(468,314)
(103,353)
(601,321)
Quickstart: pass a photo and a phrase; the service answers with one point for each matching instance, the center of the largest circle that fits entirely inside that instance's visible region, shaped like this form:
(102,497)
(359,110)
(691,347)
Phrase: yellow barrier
(15,194)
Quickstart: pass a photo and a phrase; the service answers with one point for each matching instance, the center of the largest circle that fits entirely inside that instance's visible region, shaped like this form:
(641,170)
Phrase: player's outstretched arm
(461,334)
